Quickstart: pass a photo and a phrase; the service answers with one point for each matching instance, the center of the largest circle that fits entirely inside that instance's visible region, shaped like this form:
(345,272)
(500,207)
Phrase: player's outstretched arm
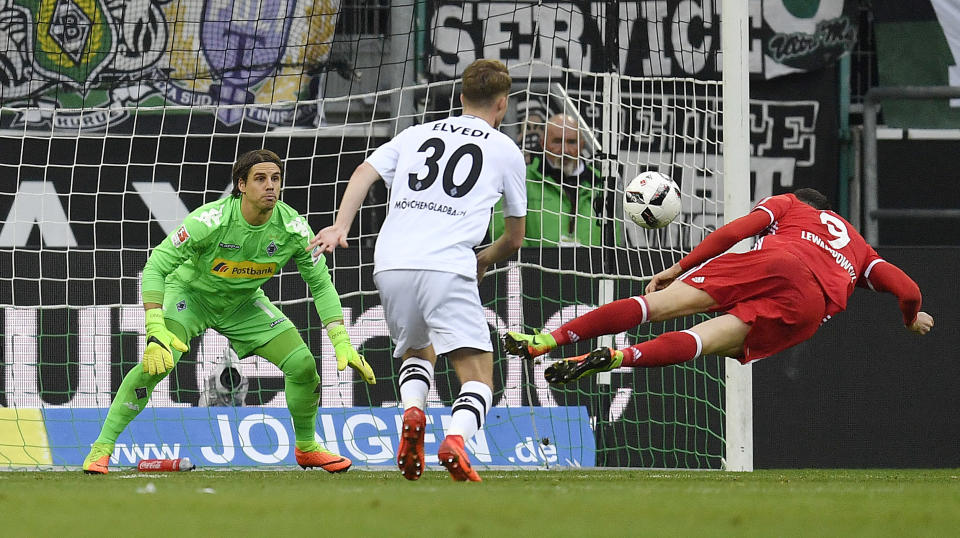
(887,277)
(663,278)
(718,242)
(335,236)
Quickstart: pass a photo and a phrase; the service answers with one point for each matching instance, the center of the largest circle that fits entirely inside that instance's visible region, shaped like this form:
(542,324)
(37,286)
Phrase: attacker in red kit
(804,267)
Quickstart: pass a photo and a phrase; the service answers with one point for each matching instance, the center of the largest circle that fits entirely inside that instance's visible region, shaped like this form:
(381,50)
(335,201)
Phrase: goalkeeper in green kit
(207,274)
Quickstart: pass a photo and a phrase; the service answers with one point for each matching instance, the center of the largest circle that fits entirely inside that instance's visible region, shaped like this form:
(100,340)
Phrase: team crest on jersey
(181,306)
(180,236)
(271,249)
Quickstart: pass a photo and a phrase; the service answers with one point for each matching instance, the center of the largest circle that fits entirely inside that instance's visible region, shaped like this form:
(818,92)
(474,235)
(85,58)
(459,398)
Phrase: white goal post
(736,188)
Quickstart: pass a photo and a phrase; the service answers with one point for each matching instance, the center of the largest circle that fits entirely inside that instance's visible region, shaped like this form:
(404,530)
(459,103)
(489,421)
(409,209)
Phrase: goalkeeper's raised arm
(208,274)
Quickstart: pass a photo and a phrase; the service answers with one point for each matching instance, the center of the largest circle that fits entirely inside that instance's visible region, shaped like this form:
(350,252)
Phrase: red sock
(611,318)
(666,349)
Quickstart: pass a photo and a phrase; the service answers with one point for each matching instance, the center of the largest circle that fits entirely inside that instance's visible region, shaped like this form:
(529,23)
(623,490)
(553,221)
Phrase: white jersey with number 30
(444,177)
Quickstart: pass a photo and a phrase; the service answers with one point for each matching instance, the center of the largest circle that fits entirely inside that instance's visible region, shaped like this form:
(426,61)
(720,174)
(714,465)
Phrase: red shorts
(770,290)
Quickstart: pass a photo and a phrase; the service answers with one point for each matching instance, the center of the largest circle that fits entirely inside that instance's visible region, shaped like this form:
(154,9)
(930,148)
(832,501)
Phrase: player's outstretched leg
(410,457)
(453,456)
(98,460)
(611,318)
(132,397)
(528,346)
(603,359)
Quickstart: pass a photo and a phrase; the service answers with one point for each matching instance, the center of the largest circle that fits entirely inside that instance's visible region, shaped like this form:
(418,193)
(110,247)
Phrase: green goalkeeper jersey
(224,259)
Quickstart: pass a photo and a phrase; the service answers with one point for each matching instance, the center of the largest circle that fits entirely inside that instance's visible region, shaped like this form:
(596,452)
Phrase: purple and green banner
(58,57)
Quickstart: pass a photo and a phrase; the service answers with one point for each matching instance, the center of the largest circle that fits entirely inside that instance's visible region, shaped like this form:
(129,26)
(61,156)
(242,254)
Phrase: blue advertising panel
(250,436)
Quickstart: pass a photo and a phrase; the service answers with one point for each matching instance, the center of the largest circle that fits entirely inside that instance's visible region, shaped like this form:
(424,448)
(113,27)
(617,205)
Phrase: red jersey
(834,256)
(825,242)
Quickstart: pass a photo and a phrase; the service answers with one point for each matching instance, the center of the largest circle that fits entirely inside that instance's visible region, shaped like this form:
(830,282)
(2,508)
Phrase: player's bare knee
(677,299)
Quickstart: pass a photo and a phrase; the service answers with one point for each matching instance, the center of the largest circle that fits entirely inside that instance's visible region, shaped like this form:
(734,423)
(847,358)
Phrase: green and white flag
(918,44)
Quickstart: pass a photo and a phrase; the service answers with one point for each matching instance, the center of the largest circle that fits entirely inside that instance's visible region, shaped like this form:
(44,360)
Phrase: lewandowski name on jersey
(841,260)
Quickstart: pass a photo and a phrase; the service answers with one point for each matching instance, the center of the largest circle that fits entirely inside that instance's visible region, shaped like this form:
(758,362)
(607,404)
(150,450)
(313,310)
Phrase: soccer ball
(652,200)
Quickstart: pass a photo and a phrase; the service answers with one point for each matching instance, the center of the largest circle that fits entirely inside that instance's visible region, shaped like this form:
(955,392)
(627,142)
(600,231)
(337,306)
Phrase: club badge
(271,249)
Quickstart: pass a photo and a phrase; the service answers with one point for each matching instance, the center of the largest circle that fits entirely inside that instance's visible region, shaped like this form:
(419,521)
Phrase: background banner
(249,436)
(655,37)
(157,53)
(918,44)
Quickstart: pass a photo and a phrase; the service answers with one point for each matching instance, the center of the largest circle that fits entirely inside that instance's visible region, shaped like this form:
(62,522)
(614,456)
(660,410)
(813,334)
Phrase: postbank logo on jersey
(231,269)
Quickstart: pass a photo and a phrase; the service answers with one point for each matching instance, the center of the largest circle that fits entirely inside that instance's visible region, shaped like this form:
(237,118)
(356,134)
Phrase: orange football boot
(326,460)
(98,460)
(454,457)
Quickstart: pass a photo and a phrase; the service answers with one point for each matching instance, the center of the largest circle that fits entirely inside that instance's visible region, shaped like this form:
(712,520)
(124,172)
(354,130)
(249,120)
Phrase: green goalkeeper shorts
(254,323)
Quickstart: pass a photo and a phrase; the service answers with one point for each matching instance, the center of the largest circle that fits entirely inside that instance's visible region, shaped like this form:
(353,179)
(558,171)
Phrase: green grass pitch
(507,503)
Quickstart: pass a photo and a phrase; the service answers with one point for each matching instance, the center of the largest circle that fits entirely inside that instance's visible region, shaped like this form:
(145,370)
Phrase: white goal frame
(738,378)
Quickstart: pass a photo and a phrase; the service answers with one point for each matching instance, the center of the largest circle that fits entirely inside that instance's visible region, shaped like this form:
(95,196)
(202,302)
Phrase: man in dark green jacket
(564,193)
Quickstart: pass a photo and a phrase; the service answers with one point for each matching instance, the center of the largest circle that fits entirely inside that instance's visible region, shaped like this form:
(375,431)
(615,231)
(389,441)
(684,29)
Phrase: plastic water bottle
(164,465)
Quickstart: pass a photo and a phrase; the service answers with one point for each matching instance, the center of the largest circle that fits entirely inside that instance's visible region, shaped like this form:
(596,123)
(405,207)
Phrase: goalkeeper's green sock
(131,399)
(301,385)
(311,446)
(134,393)
(302,402)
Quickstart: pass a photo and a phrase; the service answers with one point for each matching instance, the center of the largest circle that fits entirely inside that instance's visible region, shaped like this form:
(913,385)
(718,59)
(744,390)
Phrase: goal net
(116,122)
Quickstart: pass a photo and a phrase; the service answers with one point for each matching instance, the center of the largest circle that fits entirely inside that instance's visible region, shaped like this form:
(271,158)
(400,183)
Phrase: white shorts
(432,307)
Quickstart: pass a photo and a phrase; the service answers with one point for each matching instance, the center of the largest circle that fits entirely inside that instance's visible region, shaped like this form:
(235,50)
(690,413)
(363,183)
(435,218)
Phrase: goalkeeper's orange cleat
(326,460)
(98,459)
(454,457)
(100,466)
(410,454)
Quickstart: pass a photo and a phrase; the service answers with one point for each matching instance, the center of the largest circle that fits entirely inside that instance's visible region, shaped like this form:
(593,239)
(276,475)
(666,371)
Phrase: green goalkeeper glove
(347,355)
(157,358)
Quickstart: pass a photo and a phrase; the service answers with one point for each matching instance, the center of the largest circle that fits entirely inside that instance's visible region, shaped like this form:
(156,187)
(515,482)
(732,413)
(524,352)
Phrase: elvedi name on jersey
(476,133)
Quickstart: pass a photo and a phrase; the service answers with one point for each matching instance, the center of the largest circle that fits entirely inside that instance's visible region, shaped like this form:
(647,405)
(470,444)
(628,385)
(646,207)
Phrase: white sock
(470,409)
(416,375)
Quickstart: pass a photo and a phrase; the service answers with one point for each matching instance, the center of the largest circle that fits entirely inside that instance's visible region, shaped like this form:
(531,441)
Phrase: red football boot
(410,453)
(454,457)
